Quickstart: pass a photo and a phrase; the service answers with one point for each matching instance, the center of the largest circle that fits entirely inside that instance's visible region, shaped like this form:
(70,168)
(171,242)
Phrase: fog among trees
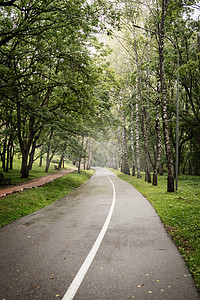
(95,82)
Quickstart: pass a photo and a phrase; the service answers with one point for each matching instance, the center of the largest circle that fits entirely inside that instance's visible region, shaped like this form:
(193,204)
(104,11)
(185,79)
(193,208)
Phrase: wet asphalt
(40,254)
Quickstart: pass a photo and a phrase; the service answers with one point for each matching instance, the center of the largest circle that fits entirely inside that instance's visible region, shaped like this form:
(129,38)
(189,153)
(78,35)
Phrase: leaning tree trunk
(32,152)
(61,161)
(8,153)
(48,159)
(12,152)
(168,150)
(25,144)
(3,154)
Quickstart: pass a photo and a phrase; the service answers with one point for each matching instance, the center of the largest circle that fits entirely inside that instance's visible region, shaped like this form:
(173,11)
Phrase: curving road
(132,257)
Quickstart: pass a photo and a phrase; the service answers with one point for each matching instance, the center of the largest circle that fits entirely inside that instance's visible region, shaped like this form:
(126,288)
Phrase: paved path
(33,183)
(41,254)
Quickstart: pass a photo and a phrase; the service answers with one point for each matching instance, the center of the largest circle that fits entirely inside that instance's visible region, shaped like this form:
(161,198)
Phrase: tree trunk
(126,169)
(146,117)
(12,151)
(8,156)
(80,156)
(137,135)
(161,172)
(84,161)
(158,151)
(132,141)
(89,155)
(168,150)
(61,161)
(31,155)
(119,147)
(143,117)
(3,154)
(8,153)
(48,160)
(41,156)
(24,166)
(25,143)
(158,138)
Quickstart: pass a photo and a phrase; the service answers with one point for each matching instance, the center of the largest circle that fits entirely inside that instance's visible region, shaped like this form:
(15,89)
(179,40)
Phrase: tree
(47,70)
(170,162)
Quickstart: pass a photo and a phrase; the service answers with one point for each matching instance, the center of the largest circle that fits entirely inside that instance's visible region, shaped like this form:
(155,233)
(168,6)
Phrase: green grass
(36,171)
(180,213)
(21,204)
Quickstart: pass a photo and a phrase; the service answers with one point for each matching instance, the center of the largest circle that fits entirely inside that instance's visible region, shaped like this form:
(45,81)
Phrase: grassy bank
(36,171)
(180,213)
(21,204)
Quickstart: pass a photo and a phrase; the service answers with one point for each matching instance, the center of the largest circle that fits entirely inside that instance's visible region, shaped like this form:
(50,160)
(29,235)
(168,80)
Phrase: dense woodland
(96,82)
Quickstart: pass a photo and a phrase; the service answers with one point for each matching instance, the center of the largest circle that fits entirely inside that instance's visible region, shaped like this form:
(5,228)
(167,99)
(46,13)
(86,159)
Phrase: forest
(108,83)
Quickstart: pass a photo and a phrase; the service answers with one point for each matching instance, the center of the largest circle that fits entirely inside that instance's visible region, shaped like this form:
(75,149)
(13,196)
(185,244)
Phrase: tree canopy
(62,88)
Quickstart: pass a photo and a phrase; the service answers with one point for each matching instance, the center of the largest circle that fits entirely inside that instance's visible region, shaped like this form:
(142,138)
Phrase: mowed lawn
(180,213)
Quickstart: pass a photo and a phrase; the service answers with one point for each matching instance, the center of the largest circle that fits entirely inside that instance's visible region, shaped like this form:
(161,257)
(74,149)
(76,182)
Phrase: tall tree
(170,162)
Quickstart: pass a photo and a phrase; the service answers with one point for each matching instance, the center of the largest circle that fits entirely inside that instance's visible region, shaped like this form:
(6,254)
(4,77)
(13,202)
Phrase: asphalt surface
(40,254)
(40,181)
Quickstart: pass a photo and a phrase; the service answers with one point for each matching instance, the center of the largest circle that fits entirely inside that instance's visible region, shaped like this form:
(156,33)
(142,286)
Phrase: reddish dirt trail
(33,183)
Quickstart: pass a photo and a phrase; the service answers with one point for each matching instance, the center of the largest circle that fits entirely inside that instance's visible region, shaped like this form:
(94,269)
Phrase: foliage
(47,72)
(136,60)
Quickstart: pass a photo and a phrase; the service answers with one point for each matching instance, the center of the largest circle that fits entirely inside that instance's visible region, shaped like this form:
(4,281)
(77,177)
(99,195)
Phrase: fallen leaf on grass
(140,285)
(51,277)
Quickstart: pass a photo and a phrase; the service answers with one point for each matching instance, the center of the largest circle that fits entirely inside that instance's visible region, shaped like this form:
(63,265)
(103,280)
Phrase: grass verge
(180,213)
(36,171)
(21,204)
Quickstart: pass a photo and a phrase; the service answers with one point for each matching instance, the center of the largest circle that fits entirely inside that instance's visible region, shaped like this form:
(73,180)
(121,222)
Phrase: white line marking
(69,295)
